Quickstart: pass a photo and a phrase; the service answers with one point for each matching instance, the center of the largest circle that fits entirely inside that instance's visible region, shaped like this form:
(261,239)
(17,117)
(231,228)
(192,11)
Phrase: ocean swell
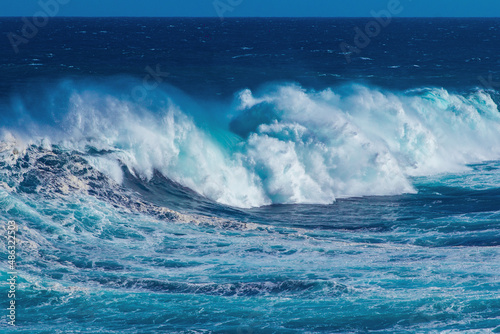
(282,144)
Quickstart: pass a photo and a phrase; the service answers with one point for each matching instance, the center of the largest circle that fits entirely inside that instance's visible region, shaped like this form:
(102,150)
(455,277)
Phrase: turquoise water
(263,186)
(88,266)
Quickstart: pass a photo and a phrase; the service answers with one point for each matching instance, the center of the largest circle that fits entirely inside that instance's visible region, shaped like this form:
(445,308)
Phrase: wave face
(281,144)
(143,209)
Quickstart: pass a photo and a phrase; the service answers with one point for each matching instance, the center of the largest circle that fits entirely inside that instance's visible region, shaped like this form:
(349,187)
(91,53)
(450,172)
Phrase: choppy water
(264,185)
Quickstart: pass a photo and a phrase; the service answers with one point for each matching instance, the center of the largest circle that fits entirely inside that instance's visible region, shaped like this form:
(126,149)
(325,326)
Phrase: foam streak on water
(100,247)
(264,186)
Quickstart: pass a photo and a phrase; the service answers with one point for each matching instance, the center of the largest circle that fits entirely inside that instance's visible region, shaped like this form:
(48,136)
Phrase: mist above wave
(282,144)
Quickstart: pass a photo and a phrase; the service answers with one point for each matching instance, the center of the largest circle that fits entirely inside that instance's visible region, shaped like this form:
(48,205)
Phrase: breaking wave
(280,144)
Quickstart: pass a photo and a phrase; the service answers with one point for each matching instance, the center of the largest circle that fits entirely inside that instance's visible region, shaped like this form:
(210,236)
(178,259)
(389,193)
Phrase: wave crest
(284,144)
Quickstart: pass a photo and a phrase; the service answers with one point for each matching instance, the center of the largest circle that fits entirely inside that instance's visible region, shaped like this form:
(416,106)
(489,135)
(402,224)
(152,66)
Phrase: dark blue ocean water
(251,176)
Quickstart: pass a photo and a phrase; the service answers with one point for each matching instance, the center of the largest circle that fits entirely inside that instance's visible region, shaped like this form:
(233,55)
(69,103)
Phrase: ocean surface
(251,175)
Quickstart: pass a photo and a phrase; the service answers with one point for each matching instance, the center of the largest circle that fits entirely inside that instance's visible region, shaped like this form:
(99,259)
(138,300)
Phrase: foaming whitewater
(144,162)
(282,144)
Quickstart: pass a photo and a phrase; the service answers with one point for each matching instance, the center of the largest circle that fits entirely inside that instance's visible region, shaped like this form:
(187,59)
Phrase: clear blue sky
(450,8)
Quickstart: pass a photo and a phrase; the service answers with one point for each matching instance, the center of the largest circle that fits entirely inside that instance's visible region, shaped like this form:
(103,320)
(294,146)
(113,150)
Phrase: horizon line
(261,17)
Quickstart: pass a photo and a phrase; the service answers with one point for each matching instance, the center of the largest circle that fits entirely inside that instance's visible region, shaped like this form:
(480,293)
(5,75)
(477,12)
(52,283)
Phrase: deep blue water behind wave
(209,56)
(263,185)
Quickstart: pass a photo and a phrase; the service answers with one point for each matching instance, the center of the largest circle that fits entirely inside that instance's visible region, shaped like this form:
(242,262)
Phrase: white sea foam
(304,147)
